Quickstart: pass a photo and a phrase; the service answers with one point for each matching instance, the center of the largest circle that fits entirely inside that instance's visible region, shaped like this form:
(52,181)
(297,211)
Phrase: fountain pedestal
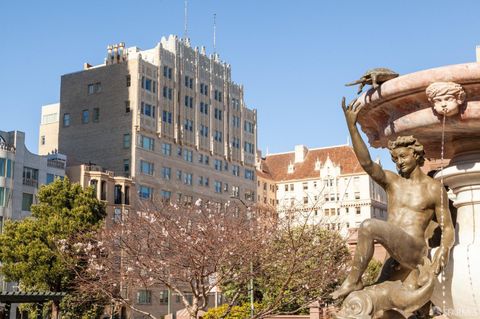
(459,295)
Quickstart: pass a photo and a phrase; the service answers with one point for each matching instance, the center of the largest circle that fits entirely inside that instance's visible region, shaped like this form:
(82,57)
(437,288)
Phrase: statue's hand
(351,111)
(440,259)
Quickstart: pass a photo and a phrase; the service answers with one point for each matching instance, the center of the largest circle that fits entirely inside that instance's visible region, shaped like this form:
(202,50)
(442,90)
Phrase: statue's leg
(407,250)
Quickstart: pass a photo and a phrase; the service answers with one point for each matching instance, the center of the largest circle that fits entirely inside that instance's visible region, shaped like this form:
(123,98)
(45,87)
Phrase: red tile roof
(275,166)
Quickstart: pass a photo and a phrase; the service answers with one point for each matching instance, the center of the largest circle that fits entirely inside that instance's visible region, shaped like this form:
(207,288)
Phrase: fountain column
(461,298)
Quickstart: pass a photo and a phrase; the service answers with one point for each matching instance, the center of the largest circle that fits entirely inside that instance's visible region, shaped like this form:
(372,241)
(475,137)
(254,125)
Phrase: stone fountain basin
(400,107)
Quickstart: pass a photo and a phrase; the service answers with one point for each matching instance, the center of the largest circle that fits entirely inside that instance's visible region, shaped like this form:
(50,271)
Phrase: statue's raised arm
(373,169)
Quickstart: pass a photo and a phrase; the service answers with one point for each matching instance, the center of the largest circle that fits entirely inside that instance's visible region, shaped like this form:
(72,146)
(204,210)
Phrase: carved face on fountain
(446,97)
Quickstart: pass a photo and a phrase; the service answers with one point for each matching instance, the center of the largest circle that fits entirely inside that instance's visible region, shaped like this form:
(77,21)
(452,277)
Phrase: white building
(326,184)
(22,173)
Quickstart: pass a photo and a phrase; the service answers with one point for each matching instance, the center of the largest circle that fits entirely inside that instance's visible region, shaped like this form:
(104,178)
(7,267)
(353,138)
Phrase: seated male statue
(413,200)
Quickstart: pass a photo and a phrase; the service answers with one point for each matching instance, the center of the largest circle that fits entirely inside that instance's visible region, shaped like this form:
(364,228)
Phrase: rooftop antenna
(214,33)
(186,21)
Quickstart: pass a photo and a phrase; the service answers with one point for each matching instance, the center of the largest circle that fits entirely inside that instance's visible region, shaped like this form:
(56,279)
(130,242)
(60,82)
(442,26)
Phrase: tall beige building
(170,117)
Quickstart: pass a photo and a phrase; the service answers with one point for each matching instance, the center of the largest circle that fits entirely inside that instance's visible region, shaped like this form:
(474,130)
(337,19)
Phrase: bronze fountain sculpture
(415,202)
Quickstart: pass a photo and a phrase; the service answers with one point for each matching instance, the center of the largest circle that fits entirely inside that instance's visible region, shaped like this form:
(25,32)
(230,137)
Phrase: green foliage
(29,248)
(236,312)
(372,272)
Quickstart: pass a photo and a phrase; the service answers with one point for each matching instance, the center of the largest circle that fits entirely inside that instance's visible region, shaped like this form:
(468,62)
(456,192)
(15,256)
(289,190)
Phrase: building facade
(326,184)
(169,117)
(22,173)
(48,133)
(114,191)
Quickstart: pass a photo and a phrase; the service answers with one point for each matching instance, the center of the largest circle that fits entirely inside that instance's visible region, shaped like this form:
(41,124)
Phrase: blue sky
(293,57)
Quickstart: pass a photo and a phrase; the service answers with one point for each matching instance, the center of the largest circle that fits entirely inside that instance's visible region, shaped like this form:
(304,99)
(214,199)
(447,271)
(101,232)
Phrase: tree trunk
(55,309)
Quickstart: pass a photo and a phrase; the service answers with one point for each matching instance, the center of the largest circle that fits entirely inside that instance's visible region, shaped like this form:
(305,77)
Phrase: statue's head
(446,97)
(407,153)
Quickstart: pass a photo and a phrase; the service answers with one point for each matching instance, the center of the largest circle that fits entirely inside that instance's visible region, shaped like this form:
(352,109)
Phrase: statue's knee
(366,227)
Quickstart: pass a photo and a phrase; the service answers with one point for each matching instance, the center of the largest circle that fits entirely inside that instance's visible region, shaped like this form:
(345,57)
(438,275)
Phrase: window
(357,195)
(145,192)
(236,170)
(218,165)
(147,143)
(94,88)
(146,167)
(117,194)
(66,119)
(103,190)
(188,125)
(200,180)
(188,179)
(167,149)
(248,127)
(249,148)
(128,80)
(85,116)
(126,166)
(358,210)
(218,187)
(292,187)
(170,73)
(167,117)
(30,176)
(96,114)
(188,155)
(165,71)
(166,173)
(147,109)
(236,142)
(127,106)
(235,121)
(27,201)
(218,136)
(144,297)
(203,130)
(166,195)
(305,186)
(204,108)
(127,195)
(235,191)
(148,85)
(42,140)
(249,174)
(179,174)
(207,181)
(163,298)
(218,114)
(50,118)
(3,196)
(126,140)
(170,93)
(179,151)
(50,178)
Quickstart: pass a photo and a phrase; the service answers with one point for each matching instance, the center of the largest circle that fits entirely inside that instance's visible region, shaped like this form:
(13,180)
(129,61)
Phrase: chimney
(300,153)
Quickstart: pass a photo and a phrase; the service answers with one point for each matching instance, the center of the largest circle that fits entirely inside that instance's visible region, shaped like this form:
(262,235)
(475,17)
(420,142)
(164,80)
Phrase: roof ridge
(310,149)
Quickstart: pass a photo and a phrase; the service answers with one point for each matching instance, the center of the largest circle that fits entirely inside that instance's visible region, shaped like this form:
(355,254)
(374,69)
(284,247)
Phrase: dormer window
(291,168)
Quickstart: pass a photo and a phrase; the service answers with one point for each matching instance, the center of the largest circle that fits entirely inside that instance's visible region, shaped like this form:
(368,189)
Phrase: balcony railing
(30,182)
(56,164)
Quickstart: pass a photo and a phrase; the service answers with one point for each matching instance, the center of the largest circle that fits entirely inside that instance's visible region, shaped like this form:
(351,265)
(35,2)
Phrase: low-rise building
(327,185)
(22,173)
(114,191)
